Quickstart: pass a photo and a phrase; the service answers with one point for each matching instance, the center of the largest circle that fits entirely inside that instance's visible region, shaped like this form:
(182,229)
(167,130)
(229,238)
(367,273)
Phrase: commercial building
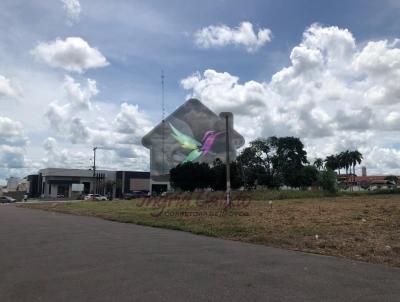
(70,183)
(131,181)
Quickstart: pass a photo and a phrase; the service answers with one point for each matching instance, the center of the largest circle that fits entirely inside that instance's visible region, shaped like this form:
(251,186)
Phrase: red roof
(371,178)
(364,179)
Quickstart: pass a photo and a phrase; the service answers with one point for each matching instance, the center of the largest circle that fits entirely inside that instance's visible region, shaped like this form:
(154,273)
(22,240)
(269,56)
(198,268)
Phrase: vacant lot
(360,227)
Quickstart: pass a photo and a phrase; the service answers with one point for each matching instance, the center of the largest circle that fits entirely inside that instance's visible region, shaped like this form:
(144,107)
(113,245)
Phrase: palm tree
(331,162)
(344,161)
(318,163)
(356,158)
(340,161)
(347,161)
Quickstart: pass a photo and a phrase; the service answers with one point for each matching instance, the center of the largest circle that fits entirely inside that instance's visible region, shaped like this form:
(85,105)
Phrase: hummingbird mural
(197,149)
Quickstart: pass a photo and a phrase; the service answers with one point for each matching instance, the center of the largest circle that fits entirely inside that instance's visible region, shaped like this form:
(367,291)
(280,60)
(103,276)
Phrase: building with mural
(191,133)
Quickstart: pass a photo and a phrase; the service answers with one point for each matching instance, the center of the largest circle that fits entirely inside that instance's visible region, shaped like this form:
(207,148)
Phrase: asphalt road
(54,257)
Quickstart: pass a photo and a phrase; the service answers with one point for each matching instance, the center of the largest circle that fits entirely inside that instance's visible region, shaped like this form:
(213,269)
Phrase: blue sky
(138,39)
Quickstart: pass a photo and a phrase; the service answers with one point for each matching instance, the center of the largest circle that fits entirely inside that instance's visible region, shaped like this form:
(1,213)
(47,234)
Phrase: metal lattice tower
(163,120)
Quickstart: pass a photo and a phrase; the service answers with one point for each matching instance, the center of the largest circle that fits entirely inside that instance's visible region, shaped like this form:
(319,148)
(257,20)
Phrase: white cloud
(11,157)
(130,119)
(335,94)
(73,10)
(71,54)
(11,132)
(123,131)
(79,121)
(337,43)
(222,35)
(379,62)
(80,98)
(382,159)
(8,89)
(222,92)
(12,144)
(64,118)
(55,156)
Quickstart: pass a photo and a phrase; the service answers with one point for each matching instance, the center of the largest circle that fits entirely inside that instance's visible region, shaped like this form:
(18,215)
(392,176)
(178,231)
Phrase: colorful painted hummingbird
(198,149)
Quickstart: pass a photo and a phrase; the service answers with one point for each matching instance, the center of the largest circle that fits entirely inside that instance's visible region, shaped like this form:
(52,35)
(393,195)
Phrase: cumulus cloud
(215,36)
(379,62)
(123,131)
(382,159)
(73,10)
(8,89)
(12,144)
(80,97)
(335,94)
(56,156)
(129,119)
(79,120)
(11,132)
(11,157)
(64,117)
(223,92)
(72,54)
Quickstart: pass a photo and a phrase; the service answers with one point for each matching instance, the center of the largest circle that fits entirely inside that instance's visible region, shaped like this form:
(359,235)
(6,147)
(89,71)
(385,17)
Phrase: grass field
(361,227)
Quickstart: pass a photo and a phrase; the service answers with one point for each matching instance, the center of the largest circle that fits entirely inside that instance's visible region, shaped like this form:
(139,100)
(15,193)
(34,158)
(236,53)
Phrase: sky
(75,74)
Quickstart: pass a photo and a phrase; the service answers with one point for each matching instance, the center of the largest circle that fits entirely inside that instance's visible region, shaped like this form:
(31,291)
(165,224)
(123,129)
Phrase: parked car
(96,197)
(136,194)
(7,199)
(60,196)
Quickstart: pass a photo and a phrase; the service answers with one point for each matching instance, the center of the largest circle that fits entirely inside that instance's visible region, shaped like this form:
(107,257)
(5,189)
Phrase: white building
(12,184)
(56,182)
(70,183)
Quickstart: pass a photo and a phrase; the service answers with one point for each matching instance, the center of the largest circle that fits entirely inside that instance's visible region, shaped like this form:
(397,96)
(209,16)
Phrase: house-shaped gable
(190,127)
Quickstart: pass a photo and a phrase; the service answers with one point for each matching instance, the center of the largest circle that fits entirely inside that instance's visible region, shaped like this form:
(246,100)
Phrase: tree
(218,171)
(256,164)
(331,162)
(318,163)
(190,176)
(327,180)
(273,161)
(289,159)
(340,161)
(346,160)
(309,176)
(356,158)
(392,178)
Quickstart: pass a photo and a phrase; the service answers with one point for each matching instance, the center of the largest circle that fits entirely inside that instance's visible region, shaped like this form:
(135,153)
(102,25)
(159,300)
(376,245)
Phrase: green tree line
(272,162)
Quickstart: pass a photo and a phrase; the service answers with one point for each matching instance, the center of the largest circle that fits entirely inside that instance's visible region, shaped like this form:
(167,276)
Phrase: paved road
(54,257)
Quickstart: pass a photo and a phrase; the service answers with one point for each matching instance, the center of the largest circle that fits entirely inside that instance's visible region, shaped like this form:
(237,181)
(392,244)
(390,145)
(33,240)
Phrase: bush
(190,176)
(309,175)
(327,181)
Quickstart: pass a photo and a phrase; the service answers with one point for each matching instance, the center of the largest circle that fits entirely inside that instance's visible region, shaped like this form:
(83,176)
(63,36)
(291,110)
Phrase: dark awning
(62,182)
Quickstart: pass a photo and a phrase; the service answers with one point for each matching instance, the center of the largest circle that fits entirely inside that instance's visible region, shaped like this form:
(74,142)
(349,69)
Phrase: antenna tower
(163,120)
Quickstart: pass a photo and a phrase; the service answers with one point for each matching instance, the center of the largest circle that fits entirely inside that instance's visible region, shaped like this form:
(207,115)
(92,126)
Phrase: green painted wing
(192,155)
(186,141)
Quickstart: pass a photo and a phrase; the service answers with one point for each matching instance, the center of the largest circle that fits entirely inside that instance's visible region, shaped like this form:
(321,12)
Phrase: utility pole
(94,172)
(228,116)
